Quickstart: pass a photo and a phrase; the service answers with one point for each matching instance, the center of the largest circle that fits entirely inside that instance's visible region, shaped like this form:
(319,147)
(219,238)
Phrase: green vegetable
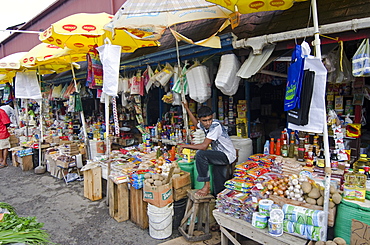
(36,236)
(7,206)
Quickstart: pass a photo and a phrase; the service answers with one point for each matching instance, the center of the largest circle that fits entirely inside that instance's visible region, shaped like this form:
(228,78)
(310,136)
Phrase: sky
(14,12)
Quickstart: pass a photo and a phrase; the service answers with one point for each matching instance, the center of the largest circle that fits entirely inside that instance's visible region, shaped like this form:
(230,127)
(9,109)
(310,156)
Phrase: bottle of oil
(360,163)
(349,190)
(361,185)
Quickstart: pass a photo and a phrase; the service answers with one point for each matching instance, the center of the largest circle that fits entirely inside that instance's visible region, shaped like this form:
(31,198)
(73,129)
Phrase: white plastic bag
(27,86)
(361,60)
(226,79)
(165,75)
(199,83)
(110,56)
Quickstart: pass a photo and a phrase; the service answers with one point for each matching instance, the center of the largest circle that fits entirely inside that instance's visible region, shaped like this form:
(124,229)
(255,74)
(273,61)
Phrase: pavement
(69,217)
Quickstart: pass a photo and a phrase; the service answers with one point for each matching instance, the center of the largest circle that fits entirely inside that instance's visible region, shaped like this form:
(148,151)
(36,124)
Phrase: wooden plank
(138,208)
(93,184)
(259,235)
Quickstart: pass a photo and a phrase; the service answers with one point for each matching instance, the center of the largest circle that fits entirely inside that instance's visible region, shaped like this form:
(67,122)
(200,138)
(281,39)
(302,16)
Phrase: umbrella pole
(107,143)
(325,129)
(82,116)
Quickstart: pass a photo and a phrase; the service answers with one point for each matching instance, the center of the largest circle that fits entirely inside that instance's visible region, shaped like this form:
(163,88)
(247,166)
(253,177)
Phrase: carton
(181,181)
(158,196)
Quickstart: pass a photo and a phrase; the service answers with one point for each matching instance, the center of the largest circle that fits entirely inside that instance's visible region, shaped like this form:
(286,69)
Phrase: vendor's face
(206,121)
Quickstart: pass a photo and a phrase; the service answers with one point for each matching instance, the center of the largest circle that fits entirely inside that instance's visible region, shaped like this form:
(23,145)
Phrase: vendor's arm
(191,116)
(202,146)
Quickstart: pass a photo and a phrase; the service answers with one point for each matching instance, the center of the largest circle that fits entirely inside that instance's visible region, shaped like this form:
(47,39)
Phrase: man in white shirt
(220,156)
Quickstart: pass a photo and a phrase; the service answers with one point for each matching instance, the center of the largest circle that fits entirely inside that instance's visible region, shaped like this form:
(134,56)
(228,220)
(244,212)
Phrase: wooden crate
(138,208)
(181,192)
(93,184)
(282,200)
(26,162)
(118,201)
(181,181)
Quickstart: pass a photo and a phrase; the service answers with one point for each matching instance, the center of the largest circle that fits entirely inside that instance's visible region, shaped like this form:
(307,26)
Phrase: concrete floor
(69,217)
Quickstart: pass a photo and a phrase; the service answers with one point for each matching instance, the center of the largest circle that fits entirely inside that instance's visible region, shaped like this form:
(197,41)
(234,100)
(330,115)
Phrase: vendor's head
(205,116)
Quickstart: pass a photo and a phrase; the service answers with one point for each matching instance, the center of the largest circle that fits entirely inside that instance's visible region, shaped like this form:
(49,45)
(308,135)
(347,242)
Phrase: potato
(164,182)
(157,183)
(311,200)
(150,181)
(320,201)
(147,176)
(337,198)
(314,193)
(339,241)
(329,242)
(320,243)
(333,189)
(176,170)
(322,190)
(306,187)
(155,176)
(331,204)
(175,176)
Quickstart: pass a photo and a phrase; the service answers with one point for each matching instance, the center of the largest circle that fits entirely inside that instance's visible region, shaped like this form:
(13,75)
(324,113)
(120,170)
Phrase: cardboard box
(158,196)
(13,139)
(181,181)
(25,162)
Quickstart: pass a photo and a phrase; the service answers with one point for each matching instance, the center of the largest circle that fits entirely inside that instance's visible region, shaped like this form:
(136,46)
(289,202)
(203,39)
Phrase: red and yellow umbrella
(83,31)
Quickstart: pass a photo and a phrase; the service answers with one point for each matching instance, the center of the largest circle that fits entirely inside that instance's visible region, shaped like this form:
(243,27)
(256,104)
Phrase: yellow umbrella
(48,58)
(83,31)
(252,6)
(9,65)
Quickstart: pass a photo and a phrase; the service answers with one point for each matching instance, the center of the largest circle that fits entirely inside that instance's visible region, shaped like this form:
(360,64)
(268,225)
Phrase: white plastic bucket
(275,227)
(245,147)
(160,221)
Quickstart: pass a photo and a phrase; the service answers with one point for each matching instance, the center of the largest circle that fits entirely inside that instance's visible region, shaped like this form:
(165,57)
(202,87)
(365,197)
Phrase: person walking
(4,138)
(221,154)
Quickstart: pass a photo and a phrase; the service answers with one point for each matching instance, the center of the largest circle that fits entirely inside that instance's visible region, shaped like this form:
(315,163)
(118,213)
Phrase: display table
(246,229)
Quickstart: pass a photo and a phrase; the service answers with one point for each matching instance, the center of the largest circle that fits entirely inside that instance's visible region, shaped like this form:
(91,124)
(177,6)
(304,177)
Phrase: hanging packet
(294,82)
(360,61)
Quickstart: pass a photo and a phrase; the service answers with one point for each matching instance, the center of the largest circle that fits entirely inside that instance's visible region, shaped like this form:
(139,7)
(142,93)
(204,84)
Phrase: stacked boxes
(181,185)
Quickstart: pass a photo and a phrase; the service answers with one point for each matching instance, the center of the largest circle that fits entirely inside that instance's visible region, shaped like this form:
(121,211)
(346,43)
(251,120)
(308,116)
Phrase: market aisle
(69,218)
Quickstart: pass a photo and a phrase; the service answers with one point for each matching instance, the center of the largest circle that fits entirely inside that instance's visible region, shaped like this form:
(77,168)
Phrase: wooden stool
(196,208)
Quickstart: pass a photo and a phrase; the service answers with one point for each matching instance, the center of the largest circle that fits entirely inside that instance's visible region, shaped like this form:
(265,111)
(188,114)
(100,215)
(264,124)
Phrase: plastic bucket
(245,147)
(160,221)
(275,227)
(188,167)
(199,185)
(179,211)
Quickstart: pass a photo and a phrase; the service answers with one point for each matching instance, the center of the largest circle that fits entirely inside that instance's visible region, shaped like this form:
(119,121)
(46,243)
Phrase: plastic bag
(226,79)
(199,83)
(27,86)
(294,82)
(165,75)
(360,61)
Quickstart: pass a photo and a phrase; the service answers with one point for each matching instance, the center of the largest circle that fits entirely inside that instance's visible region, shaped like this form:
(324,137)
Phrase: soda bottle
(360,163)
(349,190)
(334,161)
(361,185)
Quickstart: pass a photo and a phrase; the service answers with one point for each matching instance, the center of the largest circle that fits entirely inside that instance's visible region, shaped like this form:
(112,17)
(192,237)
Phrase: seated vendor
(220,156)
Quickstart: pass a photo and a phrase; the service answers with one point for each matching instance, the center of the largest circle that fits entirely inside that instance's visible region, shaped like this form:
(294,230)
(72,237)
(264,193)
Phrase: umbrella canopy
(155,16)
(84,31)
(48,58)
(252,6)
(9,65)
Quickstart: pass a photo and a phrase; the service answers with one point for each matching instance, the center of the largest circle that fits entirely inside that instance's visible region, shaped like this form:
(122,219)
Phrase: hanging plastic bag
(360,61)
(199,83)
(57,91)
(27,86)
(294,82)
(226,79)
(110,56)
(165,75)
(94,78)
(135,85)
(181,84)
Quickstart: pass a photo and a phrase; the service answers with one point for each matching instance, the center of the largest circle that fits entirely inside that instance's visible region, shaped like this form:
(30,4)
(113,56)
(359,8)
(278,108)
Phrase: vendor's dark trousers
(220,162)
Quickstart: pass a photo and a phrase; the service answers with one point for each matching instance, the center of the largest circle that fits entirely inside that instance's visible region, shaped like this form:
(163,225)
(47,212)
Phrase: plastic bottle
(278,147)
(272,146)
(361,185)
(301,150)
(349,190)
(291,145)
(266,147)
(360,163)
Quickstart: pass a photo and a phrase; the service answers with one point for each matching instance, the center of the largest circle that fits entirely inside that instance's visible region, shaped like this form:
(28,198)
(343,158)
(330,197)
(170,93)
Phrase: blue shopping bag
(360,61)
(294,81)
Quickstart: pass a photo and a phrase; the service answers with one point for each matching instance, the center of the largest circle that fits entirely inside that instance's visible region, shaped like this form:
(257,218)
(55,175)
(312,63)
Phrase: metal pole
(325,129)
(107,143)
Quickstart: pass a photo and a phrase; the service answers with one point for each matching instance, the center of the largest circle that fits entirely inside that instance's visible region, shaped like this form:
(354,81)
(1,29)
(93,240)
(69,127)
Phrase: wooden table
(246,229)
